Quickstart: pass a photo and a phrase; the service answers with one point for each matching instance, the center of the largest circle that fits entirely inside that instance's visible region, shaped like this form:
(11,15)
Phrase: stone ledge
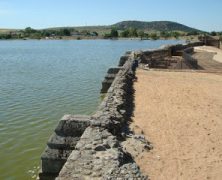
(72,125)
(62,142)
(98,155)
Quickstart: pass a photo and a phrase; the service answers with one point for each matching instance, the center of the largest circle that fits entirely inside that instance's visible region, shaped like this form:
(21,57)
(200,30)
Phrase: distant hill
(140,25)
(101,31)
(154,26)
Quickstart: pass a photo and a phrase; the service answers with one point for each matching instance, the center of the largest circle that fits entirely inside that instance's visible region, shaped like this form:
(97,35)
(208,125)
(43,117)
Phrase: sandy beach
(180,113)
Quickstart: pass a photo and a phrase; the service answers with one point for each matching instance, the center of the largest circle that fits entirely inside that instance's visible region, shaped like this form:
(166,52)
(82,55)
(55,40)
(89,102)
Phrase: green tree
(8,36)
(165,34)
(133,32)
(175,34)
(66,32)
(36,35)
(29,30)
(146,35)
(141,34)
(20,36)
(45,33)
(114,33)
(85,32)
(213,33)
(125,33)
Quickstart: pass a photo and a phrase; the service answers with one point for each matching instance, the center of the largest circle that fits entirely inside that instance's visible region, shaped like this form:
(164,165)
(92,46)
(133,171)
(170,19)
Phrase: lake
(40,81)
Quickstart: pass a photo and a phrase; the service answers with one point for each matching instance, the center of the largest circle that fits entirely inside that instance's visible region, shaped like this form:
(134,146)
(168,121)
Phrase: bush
(194,33)
(107,36)
(95,33)
(5,36)
(165,34)
(154,36)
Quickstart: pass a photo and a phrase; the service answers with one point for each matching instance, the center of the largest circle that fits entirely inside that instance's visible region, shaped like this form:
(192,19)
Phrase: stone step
(123,59)
(106,85)
(47,176)
(72,125)
(114,70)
(62,142)
(110,76)
(54,159)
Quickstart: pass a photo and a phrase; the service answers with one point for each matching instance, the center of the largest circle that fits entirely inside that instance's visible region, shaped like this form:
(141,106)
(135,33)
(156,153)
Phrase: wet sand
(180,113)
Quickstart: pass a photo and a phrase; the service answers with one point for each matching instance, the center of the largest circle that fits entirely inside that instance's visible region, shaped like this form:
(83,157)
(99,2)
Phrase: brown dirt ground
(180,113)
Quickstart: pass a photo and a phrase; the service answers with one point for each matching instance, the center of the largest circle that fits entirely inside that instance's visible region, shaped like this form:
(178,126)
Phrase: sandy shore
(218,52)
(181,115)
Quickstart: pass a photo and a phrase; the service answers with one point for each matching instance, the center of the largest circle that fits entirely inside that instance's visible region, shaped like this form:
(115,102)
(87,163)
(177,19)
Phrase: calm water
(40,81)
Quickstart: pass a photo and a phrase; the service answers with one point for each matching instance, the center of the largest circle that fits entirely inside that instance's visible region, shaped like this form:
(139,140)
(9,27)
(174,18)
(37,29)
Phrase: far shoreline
(114,39)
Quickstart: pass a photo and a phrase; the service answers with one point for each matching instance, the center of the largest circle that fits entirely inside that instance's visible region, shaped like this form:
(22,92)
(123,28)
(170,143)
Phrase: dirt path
(181,115)
(217,52)
(209,58)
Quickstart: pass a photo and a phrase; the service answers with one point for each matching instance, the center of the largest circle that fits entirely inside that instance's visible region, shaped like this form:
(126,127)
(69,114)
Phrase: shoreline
(185,38)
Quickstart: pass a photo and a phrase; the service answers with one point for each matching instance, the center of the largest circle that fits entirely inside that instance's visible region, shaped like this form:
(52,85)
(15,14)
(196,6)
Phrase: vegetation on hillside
(154,26)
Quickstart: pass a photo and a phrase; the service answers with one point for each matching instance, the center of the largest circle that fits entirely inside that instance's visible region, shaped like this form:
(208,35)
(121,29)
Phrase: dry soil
(180,113)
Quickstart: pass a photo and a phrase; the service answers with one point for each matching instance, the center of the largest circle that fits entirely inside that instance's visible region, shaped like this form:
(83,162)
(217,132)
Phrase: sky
(18,14)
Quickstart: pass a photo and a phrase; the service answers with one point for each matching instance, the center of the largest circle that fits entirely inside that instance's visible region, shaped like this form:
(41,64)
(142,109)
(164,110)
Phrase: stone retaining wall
(154,54)
(91,147)
(98,154)
(210,40)
(176,50)
(109,78)
(189,60)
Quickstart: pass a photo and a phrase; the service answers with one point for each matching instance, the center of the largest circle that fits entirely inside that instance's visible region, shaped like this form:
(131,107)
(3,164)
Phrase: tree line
(114,33)
(134,33)
(38,34)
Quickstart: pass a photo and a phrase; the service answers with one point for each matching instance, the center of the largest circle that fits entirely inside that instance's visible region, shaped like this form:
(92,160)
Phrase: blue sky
(202,14)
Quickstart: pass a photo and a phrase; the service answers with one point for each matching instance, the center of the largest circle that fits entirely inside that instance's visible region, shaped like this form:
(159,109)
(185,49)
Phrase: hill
(140,25)
(154,29)
(154,26)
